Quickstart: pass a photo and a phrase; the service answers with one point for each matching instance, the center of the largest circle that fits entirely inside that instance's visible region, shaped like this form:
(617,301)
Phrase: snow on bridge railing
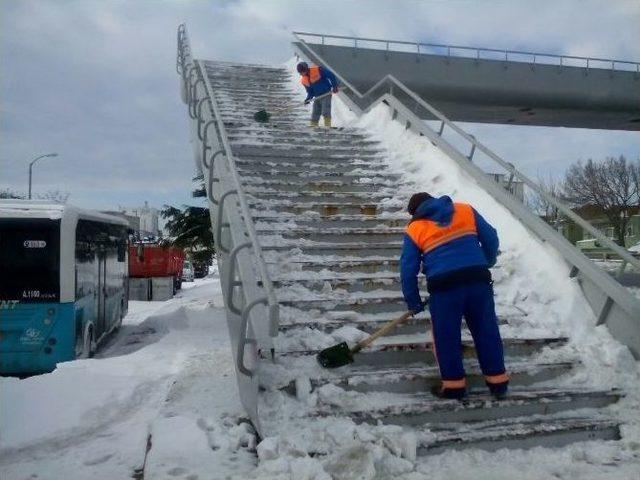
(477,53)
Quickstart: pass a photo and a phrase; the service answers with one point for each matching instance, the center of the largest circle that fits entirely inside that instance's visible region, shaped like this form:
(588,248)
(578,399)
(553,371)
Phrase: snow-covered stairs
(330,222)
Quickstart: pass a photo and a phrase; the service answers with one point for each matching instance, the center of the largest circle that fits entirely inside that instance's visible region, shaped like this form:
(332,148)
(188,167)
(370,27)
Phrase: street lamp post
(31,168)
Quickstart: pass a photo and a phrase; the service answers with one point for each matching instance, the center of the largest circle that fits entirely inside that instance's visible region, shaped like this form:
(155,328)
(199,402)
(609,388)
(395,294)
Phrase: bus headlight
(47,321)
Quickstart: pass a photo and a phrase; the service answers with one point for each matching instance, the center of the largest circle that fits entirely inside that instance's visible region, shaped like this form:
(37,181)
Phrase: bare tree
(635,177)
(8,193)
(52,195)
(55,196)
(610,185)
(541,205)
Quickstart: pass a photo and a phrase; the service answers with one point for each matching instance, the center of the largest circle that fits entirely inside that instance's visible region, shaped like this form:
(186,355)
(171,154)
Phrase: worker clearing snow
(456,247)
(319,82)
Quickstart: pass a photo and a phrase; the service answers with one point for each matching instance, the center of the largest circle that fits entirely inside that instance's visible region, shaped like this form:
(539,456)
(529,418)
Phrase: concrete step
(364,162)
(234,76)
(422,408)
(272,166)
(361,283)
(304,150)
(326,207)
(293,319)
(326,142)
(244,68)
(340,198)
(248,100)
(520,434)
(321,186)
(337,235)
(321,183)
(247,107)
(265,130)
(421,378)
(361,302)
(330,222)
(398,350)
(253,127)
(347,251)
(389,264)
(251,102)
(230,80)
(247,114)
(245,71)
(263,88)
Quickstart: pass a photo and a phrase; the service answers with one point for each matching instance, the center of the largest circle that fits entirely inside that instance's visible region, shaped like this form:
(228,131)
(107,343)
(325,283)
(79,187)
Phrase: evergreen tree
(189,228)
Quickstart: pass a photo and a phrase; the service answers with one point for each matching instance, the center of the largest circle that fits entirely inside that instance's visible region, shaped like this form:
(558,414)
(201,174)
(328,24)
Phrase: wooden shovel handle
(379,333)
(286,108)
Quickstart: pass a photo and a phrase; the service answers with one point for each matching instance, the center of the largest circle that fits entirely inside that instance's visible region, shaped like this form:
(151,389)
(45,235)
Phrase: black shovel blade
(336,356)
(261,116)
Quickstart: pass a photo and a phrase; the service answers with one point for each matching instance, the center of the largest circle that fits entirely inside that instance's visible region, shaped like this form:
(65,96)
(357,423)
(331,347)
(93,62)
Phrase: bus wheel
(119,317)
(89,344)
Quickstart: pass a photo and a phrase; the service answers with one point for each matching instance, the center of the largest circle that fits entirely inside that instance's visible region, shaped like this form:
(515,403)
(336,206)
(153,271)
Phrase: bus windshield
(30,259)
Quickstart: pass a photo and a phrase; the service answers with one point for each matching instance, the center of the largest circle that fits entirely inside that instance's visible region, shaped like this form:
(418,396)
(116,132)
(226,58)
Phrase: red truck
(147,260)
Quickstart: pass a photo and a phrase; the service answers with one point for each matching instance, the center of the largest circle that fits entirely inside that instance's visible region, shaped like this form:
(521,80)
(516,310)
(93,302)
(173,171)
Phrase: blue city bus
(63,283)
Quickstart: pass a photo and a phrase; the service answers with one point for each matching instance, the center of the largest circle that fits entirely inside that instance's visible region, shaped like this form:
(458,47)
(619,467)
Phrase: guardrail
(478,53)
(407,104)
(248,289)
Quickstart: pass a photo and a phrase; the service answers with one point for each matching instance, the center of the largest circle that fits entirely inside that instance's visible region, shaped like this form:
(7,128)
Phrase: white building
(149,224)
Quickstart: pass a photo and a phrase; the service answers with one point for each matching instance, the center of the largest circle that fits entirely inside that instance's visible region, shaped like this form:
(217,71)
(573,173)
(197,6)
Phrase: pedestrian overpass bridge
(308,228)
(488,85)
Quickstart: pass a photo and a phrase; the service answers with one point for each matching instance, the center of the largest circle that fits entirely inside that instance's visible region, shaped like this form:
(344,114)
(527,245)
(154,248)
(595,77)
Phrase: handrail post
(473,150)
(220,223)
(232,276)
(199,116)
(205,142)
(244,319)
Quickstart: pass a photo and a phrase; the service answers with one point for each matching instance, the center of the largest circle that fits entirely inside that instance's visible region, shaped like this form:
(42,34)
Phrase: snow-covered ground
(166,377)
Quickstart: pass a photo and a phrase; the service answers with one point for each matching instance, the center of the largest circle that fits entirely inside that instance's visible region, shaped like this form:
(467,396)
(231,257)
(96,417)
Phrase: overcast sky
(95,81)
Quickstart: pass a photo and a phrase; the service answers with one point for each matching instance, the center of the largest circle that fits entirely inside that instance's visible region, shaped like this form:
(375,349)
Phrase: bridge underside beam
(494,91)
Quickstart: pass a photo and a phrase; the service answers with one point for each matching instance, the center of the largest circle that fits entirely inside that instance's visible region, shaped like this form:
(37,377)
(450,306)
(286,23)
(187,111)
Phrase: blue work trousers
(475,303)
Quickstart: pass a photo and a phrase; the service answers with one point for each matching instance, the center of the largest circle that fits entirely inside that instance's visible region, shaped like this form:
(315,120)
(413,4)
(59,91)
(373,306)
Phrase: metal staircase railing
(478,53)
(612,303)
(249,294)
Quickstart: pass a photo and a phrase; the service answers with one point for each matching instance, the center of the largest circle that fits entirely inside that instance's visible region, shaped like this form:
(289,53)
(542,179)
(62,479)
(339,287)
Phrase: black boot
(449,393)
(498,390)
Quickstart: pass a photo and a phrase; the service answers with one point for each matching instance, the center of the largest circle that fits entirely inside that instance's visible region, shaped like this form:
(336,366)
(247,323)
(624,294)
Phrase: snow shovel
(263,116)
(340,354)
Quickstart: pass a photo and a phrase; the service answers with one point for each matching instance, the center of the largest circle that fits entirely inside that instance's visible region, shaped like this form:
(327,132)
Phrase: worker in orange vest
(318,80)
(454,246)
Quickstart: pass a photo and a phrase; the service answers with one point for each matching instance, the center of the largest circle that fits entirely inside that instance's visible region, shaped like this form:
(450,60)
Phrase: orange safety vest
(312,77)
(427,234)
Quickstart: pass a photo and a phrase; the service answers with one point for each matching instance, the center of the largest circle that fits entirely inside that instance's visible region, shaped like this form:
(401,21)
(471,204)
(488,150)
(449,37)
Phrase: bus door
(102,292)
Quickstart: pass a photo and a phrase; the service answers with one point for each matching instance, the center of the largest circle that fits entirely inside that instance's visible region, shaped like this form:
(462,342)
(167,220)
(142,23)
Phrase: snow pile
(165,382)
